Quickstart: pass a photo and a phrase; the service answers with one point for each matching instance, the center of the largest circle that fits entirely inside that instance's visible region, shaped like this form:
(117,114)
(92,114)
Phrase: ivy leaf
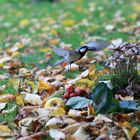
(102,97)
(78,102)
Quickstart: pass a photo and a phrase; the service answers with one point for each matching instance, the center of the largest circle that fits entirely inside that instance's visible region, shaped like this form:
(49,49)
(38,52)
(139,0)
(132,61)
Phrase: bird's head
(83,49)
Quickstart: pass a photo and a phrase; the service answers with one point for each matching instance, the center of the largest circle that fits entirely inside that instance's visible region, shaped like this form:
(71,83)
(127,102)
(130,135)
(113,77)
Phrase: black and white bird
(70,56)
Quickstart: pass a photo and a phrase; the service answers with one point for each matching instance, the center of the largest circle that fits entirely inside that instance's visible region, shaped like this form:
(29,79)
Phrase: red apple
(73,95)
(80,92)
(66,95)
(70,89)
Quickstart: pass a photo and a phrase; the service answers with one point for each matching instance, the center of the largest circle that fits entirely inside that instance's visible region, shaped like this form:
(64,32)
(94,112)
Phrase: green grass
(14,11)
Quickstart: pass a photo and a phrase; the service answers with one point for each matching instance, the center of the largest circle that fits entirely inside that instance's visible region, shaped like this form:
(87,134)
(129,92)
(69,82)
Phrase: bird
(71,56)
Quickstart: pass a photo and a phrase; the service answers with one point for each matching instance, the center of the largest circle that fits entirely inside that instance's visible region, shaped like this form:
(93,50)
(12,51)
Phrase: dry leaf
(45,86)
(85,83)
(33,99)
(56,134)
(2,106)
(19,99)
(26,122)
(100,117)
(5,131)
(55,122)
(23,23)
(6,98)
(80,134)
(91,110)
(129,130)
(68,22)
(70,129)
(73,112)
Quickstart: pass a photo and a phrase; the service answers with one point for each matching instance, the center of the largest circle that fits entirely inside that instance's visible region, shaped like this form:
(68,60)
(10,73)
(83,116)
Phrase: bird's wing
(97,46)
(72,56)
(59,62)
(61,52)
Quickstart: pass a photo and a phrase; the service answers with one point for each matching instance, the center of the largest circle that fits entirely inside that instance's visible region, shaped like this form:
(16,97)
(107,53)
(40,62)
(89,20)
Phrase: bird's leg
(69,67)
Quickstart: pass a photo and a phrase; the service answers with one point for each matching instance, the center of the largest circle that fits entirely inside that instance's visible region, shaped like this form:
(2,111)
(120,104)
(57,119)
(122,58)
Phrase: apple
(66,95)
(80,92)
(73,95)
(54,102)
(70,89)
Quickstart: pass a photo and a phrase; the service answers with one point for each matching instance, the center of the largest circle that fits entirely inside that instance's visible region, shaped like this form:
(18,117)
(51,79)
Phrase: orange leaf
(45,86)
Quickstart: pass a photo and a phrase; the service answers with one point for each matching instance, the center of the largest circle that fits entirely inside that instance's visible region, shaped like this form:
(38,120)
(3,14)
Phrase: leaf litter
(32,104)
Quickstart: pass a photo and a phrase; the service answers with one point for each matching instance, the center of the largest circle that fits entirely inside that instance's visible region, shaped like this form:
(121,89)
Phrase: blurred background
(35,25)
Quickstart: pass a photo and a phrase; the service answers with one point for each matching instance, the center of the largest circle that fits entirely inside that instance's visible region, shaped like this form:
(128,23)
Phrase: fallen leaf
(73,112)
(2,106)
(5,131)
(129,130)
(101,117)
(33,99)
(56,134)
(85,83)
(45,86)
(55,122)
(80,134)
(23,23)
(68,22)
(19,99)
(6,98)
(70,129)
(91,110)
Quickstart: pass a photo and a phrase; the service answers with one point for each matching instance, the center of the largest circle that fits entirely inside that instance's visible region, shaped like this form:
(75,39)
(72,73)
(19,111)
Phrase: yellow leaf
(85,83)
(129,130)
(126,125)
(137,8)
(53,31)
(1,65)
(15,54)
(54,41)
(19,99)
(45,86)
(6,98)
(33,85)
(133,16)
(68,22)
(24,23)
(4,129)
(46,50)
(92,71)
